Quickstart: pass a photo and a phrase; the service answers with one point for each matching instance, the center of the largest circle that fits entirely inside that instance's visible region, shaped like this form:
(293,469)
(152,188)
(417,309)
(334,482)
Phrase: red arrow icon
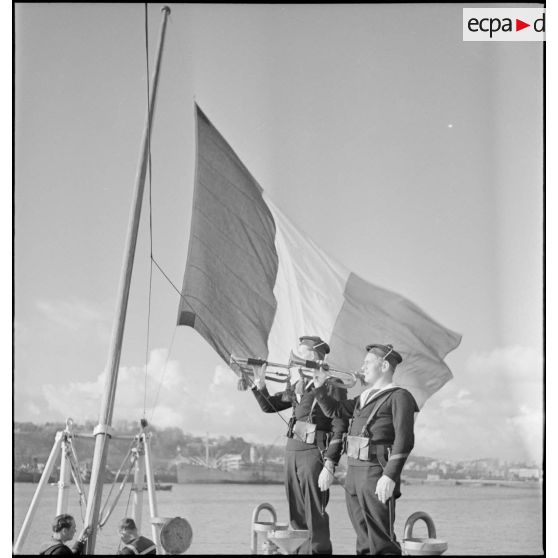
(519,25)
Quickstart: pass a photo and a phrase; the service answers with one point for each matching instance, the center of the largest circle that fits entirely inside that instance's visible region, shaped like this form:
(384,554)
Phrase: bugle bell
(242,367)
(348,379)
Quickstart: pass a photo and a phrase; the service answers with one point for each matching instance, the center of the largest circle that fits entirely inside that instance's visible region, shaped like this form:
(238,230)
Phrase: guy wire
(146,19)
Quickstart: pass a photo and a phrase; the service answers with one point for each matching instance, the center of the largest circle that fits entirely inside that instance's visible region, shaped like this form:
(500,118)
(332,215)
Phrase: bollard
(414,546)
(262,526)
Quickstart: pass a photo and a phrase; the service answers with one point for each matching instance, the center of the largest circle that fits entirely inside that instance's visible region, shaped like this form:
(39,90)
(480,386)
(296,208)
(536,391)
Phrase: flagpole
(103,430)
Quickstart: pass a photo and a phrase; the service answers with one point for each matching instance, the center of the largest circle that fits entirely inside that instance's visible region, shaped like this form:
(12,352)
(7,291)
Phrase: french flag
(254,284)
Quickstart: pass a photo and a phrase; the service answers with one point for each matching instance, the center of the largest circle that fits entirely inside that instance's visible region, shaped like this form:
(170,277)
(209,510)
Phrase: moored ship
(229,468)
(191,473)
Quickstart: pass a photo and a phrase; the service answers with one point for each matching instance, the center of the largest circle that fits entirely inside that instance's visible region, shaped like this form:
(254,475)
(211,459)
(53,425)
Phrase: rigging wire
(146,18)
(126,515)
(104,519)
(81,496)
(75,468)
(171,345)
(151,259)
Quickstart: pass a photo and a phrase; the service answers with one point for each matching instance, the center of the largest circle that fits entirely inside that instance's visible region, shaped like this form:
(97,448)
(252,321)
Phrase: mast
(103,430)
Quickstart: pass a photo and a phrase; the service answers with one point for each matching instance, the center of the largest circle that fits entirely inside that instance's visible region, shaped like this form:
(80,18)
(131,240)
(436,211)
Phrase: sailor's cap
(315,343)
(387,352)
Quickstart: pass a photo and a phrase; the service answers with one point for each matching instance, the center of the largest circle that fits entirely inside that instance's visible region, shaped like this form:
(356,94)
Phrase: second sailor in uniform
(380,438)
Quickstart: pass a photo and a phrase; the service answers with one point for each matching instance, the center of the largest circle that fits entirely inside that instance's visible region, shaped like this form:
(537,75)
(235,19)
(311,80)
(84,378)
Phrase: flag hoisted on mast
(254,283)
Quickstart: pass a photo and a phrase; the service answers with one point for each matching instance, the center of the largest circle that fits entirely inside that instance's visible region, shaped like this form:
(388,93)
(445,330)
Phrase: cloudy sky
(410,156)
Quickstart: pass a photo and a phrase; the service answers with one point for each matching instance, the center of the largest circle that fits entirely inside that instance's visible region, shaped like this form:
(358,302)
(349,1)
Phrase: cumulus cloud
(492,408)
(462,401)
(194,401)
(75,399)
(222,377)
(528,425)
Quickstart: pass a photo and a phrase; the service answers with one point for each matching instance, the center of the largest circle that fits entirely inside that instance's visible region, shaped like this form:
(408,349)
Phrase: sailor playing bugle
(313,439)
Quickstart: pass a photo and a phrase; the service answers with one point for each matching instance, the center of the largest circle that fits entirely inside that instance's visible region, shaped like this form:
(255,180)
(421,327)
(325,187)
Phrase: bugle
(307,367)
(242,367)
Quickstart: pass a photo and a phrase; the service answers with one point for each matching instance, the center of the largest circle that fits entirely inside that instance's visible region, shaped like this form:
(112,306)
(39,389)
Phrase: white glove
(319,378)
(326,476)
(259,376)
(384,488)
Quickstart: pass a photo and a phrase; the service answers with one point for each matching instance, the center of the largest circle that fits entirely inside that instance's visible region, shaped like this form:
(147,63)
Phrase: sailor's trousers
(370,518)
(302,469)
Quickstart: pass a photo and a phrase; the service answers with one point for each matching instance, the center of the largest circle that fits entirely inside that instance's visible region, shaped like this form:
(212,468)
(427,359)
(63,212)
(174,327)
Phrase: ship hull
(198,474)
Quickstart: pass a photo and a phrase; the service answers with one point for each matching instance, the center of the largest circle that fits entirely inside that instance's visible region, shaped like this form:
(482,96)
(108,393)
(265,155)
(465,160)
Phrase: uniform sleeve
(339,427)
(333,408)
(270,403)
(403,408)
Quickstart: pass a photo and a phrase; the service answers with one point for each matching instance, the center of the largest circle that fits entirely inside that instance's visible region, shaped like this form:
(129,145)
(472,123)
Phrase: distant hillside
(32,444)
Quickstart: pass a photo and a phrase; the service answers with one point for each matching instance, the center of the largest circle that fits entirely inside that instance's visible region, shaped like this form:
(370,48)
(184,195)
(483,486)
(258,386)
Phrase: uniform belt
(364,449)
(321,436)
(301,435)
(318,432)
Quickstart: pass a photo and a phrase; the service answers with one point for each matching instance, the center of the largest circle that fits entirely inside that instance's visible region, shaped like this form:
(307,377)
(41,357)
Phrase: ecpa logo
(503,24)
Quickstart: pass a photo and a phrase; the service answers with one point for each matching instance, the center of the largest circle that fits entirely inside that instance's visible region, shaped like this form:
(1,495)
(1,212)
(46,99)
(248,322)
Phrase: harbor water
(473,519)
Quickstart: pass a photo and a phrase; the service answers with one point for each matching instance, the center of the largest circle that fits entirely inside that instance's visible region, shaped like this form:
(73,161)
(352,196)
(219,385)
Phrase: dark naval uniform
(141,545)
(60,549)
(304,461)
(384,427)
